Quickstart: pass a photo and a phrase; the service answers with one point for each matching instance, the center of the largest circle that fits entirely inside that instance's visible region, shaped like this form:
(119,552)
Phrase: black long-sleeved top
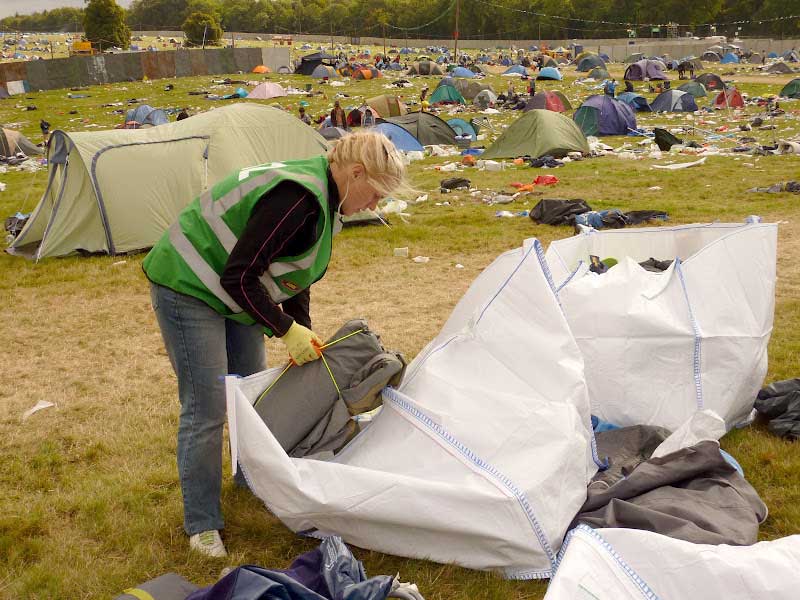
(283,223)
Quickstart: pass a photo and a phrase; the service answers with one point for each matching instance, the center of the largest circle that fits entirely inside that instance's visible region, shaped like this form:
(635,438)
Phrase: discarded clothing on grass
(780,403)
(169,586)
(454,183)
(691,494)
(330,572)
(309,409)
(558,211)
(547,162)
(665,140)
(777,188)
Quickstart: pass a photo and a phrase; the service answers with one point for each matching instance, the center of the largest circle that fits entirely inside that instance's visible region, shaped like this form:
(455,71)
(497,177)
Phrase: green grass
(90,503)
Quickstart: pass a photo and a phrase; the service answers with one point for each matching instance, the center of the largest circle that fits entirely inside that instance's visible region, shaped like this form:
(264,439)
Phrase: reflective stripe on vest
(201,268)
(212,211)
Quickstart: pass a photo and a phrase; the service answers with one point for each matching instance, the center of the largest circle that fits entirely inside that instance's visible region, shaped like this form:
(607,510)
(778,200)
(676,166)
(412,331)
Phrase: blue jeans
(203,346)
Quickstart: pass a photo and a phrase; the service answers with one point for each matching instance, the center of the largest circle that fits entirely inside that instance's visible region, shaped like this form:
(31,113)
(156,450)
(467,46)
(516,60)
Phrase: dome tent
(516,70)
(324,71)
(539,133)
(387,106)
(461,127)
(791,89)
(425,67)
(470,89)
(635,101)
(711,81)
(503,436)
(462,72)
(644,68)
(446,94)
(711,56)
(603,115)
(695,88)
(599,74)
(266,91)
(730,58)
(674,101)
(117,191)
(555,101)
(729,98)
(425,127)
(592,61)
(484,99)
(145,115)
(549,73)
(399,137)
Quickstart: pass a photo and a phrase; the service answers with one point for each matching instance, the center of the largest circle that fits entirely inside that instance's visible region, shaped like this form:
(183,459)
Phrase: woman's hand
(302,344)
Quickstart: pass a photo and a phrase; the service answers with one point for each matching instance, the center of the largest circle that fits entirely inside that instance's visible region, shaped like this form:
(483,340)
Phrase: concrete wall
(132,66)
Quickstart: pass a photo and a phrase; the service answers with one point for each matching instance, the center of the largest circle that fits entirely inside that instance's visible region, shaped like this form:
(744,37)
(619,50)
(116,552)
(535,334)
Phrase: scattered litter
(119,262)
(401,252)
(655,188)
(777,188)
(677,166)
(2,187)
(394,206)
(40,405)
(421,198)
(459,266)
(454,183)
(421,259)
(504,214)
(491,165)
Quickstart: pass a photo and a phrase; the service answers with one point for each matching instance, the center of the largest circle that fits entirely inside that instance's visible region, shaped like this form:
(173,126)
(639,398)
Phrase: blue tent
(462,72)
(605,57)
(405,51)
(393,66)
(635,101)
(603,115)
(144,114)
(506,62)
(772,55)
(516,70)
(729,58)
(446,80)
(549,73)
(401,139)
(461,127)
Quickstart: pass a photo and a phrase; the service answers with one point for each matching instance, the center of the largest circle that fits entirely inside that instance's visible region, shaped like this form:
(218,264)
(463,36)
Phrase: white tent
(117,191)
(480,458)
(266,90)
(658,347)
(629,564)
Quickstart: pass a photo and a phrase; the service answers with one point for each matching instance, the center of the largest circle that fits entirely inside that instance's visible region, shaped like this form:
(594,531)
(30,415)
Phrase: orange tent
(262,69)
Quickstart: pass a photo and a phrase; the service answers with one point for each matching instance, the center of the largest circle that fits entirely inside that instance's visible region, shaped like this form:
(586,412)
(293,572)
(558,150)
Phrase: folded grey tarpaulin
(303,408)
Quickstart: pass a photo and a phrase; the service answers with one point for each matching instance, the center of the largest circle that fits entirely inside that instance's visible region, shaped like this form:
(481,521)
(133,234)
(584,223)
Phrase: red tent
(734,99)
(546,100)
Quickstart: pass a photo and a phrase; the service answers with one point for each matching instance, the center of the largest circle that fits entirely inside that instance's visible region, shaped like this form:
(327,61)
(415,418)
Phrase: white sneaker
(208,543)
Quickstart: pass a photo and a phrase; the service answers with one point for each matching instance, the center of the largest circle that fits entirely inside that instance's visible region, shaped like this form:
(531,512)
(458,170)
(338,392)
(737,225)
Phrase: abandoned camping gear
(310,409)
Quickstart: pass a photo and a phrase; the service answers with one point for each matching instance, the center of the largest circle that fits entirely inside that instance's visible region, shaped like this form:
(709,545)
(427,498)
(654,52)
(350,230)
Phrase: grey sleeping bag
(303,409)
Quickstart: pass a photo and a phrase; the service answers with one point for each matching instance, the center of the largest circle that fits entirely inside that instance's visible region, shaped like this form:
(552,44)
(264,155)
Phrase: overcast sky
(24,7)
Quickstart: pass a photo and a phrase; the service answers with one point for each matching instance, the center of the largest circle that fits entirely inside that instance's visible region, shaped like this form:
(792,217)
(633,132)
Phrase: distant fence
(133,66)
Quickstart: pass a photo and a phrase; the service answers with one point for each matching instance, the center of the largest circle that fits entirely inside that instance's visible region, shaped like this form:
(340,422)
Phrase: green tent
(426,127)
(791,89)
(447,94)
(118,191)
(695,88)
(539,133)
(599,74)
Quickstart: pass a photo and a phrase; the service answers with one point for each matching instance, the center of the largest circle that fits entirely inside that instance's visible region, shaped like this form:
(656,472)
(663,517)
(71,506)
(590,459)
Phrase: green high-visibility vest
(192,254)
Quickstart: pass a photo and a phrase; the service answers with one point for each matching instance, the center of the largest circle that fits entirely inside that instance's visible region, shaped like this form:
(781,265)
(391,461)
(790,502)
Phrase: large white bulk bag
(629,564)
(480,458)
(659,346)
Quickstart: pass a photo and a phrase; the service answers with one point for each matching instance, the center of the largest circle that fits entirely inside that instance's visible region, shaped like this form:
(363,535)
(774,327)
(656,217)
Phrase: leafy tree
(147,15)
(104,24)
(202,26)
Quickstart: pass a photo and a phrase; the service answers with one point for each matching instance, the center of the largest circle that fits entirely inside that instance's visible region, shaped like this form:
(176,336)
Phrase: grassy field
(90,501)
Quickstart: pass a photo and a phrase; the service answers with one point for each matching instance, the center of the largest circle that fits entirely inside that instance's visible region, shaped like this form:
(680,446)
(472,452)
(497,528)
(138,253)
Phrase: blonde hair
(383,164)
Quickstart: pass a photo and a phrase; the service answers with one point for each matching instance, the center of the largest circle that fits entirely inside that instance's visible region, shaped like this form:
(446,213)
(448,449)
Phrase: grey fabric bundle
(303,409)
(692,494)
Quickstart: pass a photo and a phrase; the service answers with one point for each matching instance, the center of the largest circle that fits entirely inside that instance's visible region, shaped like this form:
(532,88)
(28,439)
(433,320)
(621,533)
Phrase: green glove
(302,343)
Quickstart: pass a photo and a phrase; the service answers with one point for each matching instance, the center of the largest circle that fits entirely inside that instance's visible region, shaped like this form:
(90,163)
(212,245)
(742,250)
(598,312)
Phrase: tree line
(488,19)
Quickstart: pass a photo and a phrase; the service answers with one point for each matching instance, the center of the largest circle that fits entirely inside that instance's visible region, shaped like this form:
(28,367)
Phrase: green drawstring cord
(325,362)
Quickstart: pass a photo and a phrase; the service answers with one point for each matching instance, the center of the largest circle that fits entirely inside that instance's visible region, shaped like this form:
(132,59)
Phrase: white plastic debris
(394,206)
(459,266)
(2,187)
(421,198)
(401,252)
(421,259)
(40,405)
(655,188)
(676,166)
